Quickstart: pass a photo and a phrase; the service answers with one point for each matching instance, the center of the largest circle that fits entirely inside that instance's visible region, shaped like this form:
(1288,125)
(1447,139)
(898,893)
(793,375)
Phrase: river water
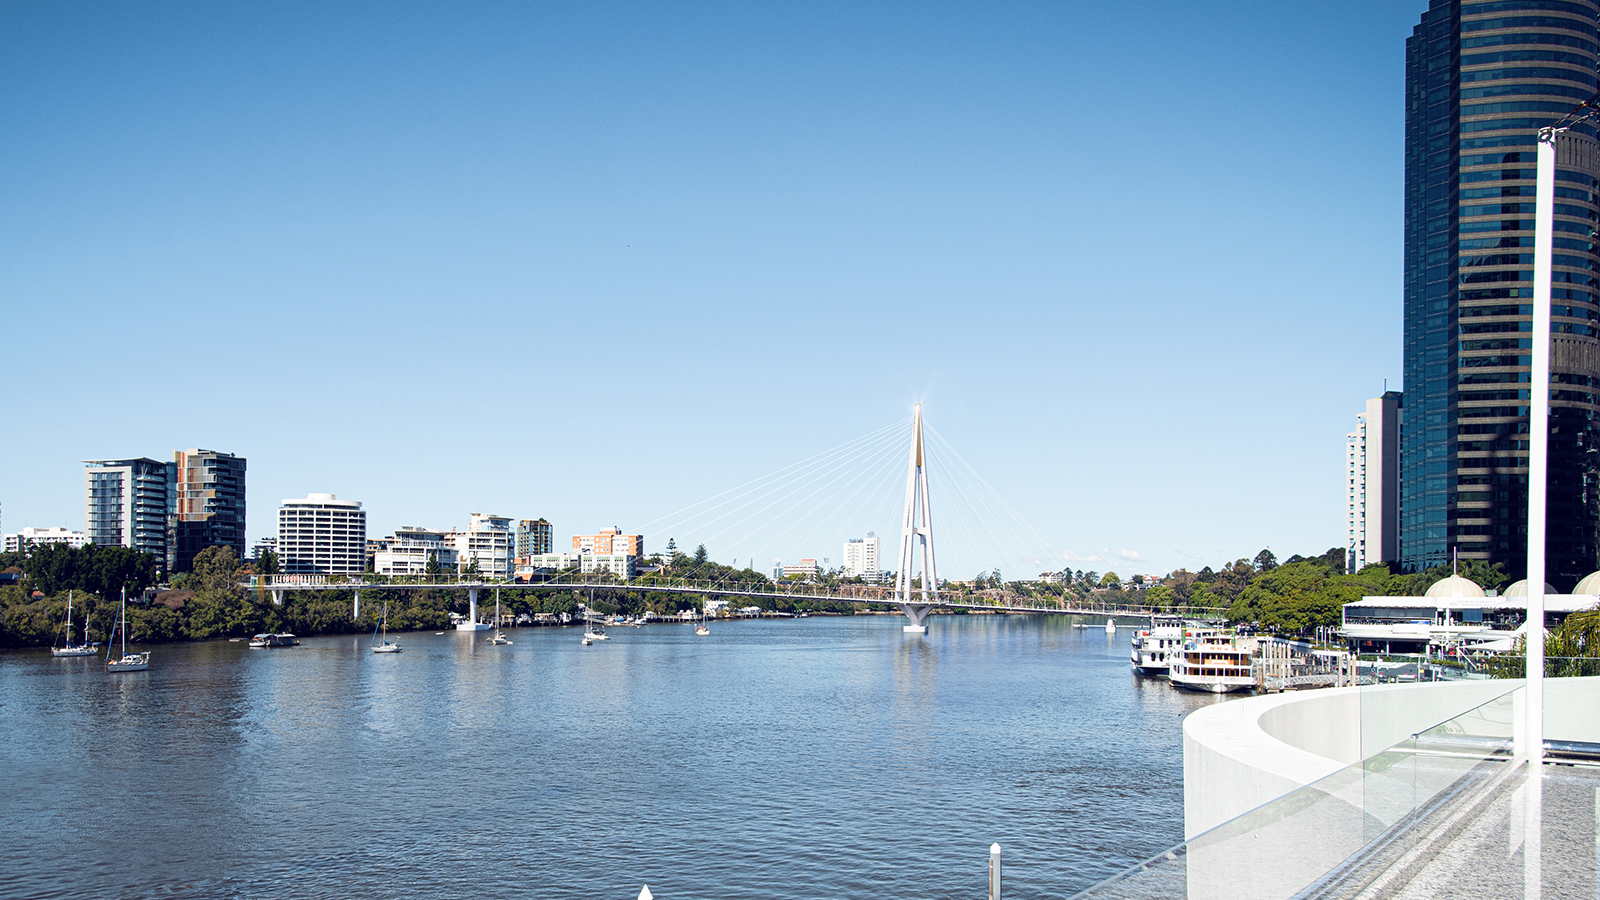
(809,758)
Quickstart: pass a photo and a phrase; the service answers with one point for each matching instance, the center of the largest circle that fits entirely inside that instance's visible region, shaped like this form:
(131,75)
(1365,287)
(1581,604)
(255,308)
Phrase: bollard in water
(994,872)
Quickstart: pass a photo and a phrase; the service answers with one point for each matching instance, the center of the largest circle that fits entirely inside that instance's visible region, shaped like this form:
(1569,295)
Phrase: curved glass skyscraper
(1481,78)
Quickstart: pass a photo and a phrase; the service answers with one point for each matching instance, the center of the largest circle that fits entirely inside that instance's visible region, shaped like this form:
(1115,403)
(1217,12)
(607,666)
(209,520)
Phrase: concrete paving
(1517,838)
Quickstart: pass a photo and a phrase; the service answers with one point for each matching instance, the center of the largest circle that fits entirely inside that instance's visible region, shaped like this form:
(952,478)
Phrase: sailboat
(383,646)
(591,631)
(702,627)
(72,649)
(130,662)
(498,639)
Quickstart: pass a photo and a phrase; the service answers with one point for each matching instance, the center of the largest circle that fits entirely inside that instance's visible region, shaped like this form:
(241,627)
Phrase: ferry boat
(1155,648)
(1215,664)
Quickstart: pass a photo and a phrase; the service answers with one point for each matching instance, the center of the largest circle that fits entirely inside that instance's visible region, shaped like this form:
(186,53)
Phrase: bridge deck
(996,601)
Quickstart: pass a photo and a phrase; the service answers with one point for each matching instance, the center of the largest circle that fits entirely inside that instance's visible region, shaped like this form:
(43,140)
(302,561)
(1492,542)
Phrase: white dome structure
(1589,585)
(1520,589)
(1454,586)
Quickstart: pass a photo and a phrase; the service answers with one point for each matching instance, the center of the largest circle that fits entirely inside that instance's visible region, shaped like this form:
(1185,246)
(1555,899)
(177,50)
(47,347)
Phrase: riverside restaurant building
(1455,614)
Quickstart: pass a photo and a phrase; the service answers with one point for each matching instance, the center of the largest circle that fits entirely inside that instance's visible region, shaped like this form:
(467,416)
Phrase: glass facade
(1481,78)
(208,503)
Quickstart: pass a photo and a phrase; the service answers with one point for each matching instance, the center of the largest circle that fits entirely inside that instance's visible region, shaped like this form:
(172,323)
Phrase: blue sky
(596,262)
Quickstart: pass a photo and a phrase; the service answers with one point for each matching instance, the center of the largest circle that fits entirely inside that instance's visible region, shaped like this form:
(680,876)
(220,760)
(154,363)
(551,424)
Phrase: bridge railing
(998,600)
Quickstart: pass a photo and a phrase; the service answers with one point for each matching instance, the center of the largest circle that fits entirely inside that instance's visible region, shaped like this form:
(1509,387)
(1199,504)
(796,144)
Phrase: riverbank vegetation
(208,602)
(1294,597)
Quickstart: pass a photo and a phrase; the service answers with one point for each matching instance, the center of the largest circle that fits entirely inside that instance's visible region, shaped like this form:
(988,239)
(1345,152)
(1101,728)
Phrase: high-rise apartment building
(533,538)
(126,503)
(1481,79)
(1372,461)
(321,535)
(208,506)
(861,557)
(488,543)
(610,541)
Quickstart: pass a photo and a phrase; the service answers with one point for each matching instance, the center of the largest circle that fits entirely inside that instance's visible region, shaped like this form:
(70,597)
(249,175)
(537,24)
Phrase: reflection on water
(817,757)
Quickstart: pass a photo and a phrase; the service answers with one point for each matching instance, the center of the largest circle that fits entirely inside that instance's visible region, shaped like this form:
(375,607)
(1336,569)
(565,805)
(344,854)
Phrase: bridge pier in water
(916,612)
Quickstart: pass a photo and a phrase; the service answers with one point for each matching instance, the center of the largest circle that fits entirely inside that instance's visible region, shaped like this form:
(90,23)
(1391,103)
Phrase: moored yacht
(1155,647)
(71,649)
(1214,663)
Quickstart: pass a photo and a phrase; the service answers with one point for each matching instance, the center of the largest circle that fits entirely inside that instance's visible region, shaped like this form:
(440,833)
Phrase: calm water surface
(822,757)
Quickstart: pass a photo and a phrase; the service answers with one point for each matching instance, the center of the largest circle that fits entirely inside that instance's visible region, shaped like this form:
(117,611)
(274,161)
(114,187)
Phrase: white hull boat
(130,662)
(1156,647)
(383,644)
(71,649)
(1215,665)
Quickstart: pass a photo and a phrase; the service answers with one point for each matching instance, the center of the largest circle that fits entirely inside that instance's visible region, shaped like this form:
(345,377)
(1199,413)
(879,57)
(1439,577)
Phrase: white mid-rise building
(410,550)
(861,558)
(22,540)
(622,565)
(806,568)
(1372,501)
(322,535)
(491,542)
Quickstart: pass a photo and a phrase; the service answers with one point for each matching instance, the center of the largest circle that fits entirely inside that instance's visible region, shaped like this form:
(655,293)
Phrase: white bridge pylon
(916,533)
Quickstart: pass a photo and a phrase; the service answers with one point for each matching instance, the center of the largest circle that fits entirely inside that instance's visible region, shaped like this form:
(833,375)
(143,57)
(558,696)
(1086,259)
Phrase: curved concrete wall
(1245,753)
(1238,757)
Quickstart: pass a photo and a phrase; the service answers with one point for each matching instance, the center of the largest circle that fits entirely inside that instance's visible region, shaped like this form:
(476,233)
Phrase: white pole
(1539,437)
(994,872)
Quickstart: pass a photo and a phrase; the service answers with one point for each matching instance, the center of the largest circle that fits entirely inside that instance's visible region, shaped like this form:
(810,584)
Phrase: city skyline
(743,217)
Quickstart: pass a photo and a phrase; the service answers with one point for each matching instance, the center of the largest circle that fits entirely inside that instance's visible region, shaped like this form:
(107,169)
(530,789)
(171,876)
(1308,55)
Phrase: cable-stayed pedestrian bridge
(1002,601)
(917,590)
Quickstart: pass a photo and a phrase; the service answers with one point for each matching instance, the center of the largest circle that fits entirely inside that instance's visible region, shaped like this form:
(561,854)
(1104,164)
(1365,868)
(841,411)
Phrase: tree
(1160,596)
(700,555)
(215,568)
(1265,561)
(1110,579)
(432,567)
(267,564)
